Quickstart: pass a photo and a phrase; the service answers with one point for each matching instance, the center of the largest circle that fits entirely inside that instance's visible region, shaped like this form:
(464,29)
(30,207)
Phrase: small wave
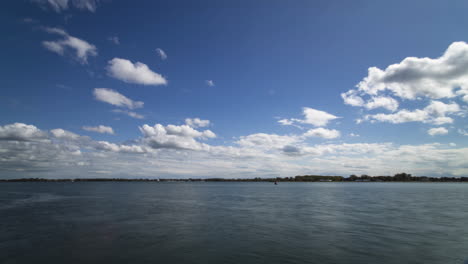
(35,198)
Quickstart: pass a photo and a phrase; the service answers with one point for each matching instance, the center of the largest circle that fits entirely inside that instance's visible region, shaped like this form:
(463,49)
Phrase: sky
(234,89)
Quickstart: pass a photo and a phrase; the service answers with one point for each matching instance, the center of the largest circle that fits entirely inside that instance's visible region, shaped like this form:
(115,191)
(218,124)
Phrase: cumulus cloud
(437,131)
(322,133)
(138,72)
(78,48)
(21,132)
(115,98)
(197,122)
(161,54)
(62,5)
(112,147)
(267,141)
(426,77)
(99,129)
(434,113)
(383,102)
(64,134)
(415,79)
(287,143)
(351,98)
(174,137)
(312,117)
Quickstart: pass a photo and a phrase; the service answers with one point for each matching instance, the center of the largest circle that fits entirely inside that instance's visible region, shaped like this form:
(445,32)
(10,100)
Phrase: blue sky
(103,88)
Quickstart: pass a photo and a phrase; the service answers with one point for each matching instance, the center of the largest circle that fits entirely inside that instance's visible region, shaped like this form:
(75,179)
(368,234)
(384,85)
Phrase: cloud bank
(182,151)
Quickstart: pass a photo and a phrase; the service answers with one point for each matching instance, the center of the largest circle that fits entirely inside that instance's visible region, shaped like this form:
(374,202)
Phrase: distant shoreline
(400,177)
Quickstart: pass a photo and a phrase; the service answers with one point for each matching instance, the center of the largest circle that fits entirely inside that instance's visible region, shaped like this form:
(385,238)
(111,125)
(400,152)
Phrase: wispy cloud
(129,113)
(99,129)
(114,40)
(62,5)
(210,83)
(79,49)
(197,122)
(161,54)
(115,98)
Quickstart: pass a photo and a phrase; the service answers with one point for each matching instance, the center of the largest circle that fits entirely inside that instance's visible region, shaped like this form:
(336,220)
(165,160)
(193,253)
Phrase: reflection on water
(138,222)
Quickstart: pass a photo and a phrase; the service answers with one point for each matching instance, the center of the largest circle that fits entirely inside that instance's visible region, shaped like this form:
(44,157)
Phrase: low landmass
(399,177)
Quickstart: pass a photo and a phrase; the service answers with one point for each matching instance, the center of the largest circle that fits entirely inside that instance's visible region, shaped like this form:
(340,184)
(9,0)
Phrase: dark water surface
(141,222)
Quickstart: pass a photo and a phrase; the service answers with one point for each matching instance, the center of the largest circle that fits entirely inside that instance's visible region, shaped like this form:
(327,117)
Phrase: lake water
(144,222)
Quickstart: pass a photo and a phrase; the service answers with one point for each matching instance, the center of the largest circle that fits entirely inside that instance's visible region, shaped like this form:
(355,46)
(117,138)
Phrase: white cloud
(437,131)
(426,77)
(112,147)
(415,79)
(21,132)
(287,144)
(63,134)
(197,122)
(129,113)
(440,109)
(210,83)
(80,49)
(351,98)
(175,151)
(323,133)
(267,141)
(138,73)
(187,131)
(312,117)
(161,54)
(401,116)
(317,117)
(99,129)
(434,113)
(174,137)
(62,5)
(285,122)
(383,102)
(115,98)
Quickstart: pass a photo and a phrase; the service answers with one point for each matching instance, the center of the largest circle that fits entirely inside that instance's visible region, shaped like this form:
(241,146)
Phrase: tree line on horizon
(399,177)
